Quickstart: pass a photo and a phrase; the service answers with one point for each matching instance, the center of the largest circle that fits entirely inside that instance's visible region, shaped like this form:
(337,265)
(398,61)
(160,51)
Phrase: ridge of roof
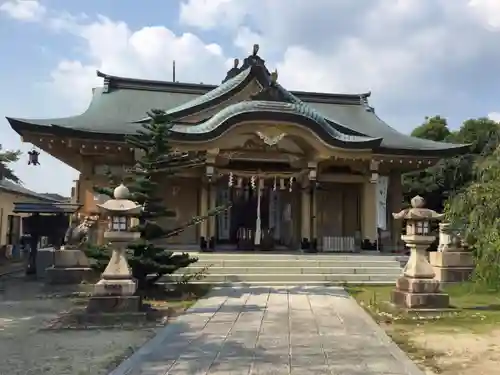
(119,82)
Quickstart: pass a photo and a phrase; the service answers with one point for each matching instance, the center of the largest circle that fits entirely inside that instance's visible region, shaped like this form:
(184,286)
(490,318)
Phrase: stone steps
(295,263)
(301,279)
(292,269)
(301,270)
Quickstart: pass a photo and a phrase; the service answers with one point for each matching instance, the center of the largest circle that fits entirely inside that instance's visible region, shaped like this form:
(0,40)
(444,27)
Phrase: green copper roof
(119,107)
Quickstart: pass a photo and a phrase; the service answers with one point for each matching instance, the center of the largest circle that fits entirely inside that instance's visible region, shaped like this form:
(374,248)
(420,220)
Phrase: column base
(203,244)
(211,244)
(413,293)
(309,246)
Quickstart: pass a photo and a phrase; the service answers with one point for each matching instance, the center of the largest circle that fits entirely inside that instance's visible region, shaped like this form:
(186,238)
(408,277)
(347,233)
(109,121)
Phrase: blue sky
(418,57)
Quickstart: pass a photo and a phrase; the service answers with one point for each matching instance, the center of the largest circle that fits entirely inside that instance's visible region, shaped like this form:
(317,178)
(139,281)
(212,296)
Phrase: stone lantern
(116,288)
(417,287)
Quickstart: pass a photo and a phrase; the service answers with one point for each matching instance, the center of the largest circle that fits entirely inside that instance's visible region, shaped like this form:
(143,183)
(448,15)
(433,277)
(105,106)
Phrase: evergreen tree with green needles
(148,261)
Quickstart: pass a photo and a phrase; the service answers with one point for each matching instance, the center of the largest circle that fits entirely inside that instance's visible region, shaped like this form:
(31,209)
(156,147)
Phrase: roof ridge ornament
(363,100)
(274,77)
(234,71)
(252,60)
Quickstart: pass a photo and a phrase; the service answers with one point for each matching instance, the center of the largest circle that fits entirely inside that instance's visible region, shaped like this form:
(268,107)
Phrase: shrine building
(299,167)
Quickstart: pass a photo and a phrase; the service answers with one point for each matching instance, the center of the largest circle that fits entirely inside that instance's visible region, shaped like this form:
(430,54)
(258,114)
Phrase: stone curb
(410,367)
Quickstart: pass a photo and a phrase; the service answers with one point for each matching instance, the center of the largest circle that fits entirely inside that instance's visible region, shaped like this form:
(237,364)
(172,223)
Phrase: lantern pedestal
(452,262)
(418,289)
(115,291)
(414,293)
(452,266)
(71,266)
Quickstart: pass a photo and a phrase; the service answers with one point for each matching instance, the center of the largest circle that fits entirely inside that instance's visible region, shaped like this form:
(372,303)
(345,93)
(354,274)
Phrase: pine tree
(7,158)
(148,261)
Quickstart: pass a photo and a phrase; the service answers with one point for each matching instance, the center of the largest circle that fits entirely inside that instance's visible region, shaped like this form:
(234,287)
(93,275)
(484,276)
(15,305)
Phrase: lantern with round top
(116,280)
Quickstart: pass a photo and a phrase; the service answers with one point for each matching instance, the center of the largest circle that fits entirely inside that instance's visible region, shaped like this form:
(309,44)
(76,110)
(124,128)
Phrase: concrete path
(256,330)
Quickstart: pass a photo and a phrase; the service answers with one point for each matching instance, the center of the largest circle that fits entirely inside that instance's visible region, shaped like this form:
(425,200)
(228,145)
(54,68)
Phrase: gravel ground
(28,350)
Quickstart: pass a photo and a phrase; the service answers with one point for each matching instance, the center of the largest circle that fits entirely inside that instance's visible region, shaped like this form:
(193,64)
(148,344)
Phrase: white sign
(382,186)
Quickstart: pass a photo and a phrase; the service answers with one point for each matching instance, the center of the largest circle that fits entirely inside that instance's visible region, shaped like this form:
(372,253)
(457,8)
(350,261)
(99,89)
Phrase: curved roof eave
(275,111)
(20,126)
(214,128)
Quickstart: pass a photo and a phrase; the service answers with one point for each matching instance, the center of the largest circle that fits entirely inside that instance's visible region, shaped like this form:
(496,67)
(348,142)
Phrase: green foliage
(476,210)
(450,176)
(148,261)
(434,128)
(6,158)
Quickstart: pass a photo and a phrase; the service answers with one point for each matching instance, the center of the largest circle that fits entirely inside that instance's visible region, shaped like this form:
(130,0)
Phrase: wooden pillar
(369,211)
(203,210)
(305,214)
(314,211)
(211,205)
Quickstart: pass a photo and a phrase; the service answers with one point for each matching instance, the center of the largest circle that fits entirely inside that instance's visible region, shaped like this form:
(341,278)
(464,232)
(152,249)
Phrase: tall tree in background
(434,128)
(158,159)
(6,158)
(451,175)
(475,211)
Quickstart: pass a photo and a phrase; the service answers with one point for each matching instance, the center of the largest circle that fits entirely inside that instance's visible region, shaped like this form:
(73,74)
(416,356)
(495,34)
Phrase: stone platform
(61,276)
(452,266)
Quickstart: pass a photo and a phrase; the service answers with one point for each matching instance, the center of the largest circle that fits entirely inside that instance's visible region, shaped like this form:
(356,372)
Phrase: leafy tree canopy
(434,128)
(6,158)
(451,175)
(475,211)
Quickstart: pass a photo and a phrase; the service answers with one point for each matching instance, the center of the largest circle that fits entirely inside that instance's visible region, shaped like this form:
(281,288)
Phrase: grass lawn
(473,314)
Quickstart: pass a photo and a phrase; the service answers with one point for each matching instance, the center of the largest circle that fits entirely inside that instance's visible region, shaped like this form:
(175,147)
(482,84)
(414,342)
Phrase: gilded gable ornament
(271,139)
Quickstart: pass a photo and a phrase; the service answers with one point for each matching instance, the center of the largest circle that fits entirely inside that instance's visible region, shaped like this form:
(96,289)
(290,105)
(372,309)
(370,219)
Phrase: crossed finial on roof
(255,49)
(274,76)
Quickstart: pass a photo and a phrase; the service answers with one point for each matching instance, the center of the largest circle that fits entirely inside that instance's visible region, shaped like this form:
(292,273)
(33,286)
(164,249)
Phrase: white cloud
(495,116)
(114,48)
(23,10)
(420,57)
(487,11)
(385,45)
(209,14)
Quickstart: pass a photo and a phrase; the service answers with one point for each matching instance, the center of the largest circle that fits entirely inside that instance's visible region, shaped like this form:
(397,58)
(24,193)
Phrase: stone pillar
(305,214)
(203,209)
(451,263)
(369,212)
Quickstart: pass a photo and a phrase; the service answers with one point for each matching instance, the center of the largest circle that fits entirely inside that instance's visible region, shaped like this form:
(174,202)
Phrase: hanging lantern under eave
(33,157)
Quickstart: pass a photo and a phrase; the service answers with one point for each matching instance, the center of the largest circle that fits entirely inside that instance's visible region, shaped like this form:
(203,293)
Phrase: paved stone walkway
(289,330)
